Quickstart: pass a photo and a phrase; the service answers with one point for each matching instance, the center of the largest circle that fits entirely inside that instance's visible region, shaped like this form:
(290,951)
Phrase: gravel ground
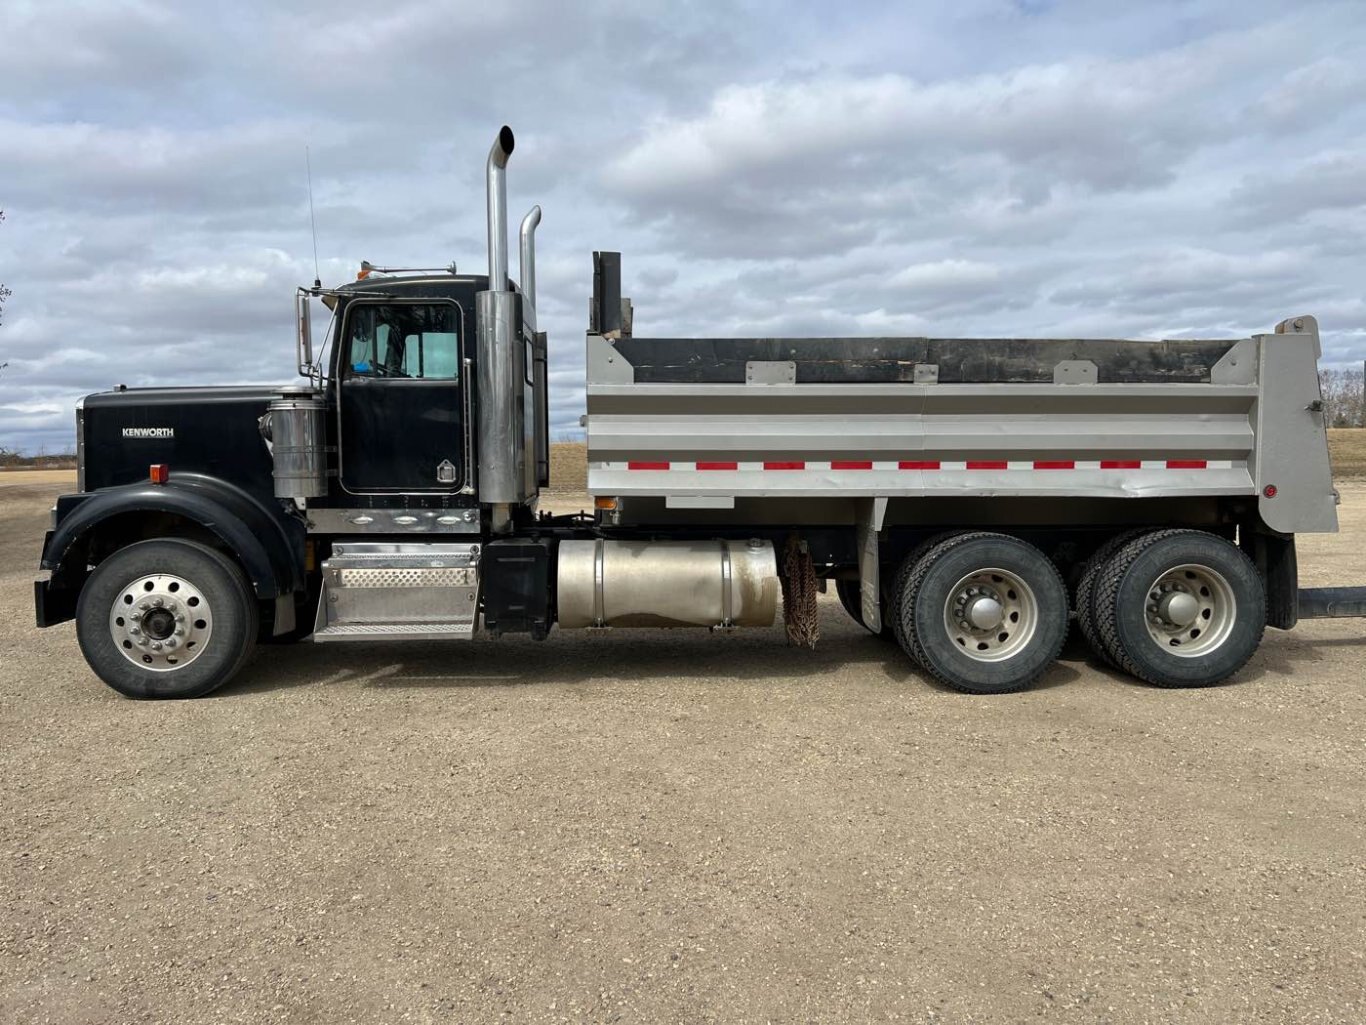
(671,827)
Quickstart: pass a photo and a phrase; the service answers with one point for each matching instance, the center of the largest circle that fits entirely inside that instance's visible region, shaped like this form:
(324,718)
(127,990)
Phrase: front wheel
(166,619)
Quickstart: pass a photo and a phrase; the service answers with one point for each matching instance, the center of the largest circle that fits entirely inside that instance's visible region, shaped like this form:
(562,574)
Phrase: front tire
(166,619)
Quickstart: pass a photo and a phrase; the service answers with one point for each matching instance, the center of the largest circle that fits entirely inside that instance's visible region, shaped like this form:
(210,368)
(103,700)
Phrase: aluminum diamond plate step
(395,631)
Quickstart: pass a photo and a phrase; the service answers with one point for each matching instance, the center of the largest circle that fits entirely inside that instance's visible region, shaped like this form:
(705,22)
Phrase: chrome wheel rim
(160,622)
(1190,610)
(991,615)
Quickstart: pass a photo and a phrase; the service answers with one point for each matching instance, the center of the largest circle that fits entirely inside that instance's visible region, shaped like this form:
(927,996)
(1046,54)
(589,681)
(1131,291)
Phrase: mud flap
(869,513)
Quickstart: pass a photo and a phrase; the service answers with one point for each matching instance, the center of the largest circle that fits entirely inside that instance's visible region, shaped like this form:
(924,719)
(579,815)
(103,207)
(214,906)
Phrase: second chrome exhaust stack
(528,268)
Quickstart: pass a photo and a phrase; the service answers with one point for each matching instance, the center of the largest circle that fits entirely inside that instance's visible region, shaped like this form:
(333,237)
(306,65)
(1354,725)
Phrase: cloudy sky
(986,167)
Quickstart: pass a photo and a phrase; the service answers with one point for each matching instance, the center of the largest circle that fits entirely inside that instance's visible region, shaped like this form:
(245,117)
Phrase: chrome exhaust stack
(506,469)
(527,270)
(498,209)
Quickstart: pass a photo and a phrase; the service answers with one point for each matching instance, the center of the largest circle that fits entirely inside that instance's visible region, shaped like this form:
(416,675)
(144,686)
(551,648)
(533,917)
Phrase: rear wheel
(1086,592)
(1180,608)
(901,584)
(985,613)
(166,619)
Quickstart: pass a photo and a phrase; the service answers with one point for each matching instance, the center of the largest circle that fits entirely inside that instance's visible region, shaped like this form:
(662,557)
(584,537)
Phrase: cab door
(400,403)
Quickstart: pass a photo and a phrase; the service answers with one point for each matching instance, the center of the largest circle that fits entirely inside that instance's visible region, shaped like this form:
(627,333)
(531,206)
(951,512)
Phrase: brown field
(569,467)
(1347,450)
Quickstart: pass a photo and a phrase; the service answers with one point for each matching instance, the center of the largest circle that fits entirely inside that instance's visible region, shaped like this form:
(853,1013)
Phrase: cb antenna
(312,220)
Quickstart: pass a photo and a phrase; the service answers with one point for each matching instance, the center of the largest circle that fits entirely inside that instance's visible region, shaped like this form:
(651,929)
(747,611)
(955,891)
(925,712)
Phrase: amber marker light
(159,473)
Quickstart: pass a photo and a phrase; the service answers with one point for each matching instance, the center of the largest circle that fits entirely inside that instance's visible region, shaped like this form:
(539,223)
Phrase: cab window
(403,340)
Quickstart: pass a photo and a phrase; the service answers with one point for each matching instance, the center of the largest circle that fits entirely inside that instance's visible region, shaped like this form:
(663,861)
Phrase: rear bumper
(1332,602)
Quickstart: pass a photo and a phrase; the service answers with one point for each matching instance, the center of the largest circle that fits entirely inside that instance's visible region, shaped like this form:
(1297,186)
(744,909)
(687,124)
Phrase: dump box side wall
(699,444)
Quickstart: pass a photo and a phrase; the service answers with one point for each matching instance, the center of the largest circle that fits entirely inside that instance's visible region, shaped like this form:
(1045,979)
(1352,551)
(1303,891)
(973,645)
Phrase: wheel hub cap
(985,613)
(1190,610)
(1179,608)
(161,622)
(991,615)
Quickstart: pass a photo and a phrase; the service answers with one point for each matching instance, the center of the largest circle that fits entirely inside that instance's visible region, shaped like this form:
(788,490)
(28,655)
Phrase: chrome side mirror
(304,339)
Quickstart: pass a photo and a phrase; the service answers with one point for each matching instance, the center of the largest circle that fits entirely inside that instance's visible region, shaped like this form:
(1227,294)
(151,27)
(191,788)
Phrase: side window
(403,340)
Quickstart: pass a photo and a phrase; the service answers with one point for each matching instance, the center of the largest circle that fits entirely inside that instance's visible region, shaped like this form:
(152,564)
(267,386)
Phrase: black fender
(267,543)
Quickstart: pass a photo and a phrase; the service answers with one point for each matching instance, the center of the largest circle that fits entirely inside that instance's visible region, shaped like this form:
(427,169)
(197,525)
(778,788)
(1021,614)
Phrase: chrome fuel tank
(667,583)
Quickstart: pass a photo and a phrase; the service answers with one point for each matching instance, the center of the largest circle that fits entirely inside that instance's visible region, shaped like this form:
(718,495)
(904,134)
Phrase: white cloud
(946,274)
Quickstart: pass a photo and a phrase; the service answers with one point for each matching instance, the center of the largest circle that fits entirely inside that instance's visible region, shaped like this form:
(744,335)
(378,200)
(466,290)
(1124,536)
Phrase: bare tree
(5,293)
(1342,397)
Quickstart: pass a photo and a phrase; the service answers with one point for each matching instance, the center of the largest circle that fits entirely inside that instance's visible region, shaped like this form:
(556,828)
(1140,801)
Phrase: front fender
(267,543)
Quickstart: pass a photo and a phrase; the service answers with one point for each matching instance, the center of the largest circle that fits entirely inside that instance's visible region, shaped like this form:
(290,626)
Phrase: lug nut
(157,603)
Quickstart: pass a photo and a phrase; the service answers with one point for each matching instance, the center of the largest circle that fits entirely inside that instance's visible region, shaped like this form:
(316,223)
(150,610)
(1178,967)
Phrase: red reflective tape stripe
(633,465)
(1186,464)
(851,464)
(1121,464)
(987,464)
(1054,464)
(918,464)
(718,466)
(784,466)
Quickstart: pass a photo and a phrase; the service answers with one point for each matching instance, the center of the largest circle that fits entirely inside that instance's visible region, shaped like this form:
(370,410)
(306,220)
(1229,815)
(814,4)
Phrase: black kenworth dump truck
(966,497)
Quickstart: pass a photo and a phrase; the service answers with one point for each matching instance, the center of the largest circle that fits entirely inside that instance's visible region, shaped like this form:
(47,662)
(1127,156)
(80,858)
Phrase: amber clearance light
(159,473)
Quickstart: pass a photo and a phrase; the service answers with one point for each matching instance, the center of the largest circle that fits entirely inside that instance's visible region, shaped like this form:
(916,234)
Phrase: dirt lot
(656,827)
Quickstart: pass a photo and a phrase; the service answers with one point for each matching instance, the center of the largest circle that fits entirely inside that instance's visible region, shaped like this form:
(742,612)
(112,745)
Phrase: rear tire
(985,613)
(1180,608)
(1086,592)
(166,619)
(901,585)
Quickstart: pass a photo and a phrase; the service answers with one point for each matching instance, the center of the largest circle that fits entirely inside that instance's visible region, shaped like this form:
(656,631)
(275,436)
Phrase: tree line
(1344,403)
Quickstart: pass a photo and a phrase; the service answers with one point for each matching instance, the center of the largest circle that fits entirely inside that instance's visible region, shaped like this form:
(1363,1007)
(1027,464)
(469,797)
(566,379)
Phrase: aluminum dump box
(705,422)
